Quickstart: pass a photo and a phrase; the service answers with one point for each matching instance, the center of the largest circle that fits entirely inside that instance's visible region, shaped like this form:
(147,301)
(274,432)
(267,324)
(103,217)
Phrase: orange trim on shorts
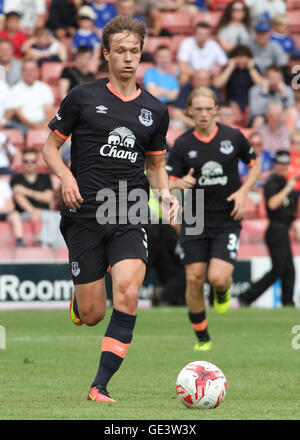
(60,134)
(199,327)
(251,163)
(155,153)
(174,178)
(119,95)
(115,346)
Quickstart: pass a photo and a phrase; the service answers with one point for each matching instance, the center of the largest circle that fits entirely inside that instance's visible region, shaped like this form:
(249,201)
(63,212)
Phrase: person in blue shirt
(266,160)
(85,35)
(280,34)
(104,12)
(158,81)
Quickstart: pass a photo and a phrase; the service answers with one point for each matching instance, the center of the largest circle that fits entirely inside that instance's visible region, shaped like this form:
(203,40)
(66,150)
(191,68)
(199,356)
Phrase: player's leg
(127,255)
(195,278)
(91,301)
(219,274)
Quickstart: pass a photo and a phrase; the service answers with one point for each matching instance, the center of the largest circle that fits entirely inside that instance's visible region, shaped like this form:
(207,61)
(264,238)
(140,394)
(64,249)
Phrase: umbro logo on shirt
(101,109)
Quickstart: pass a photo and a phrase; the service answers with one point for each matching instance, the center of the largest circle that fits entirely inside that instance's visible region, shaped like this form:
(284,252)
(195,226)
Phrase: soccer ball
(201,384)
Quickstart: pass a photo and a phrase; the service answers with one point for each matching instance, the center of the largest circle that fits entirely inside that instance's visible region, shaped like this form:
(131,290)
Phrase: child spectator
(43,47)
(280,34)
(13,33)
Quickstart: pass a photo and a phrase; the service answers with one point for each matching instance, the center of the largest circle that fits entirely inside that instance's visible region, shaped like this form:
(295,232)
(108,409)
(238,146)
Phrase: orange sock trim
(200,326)
(115,346)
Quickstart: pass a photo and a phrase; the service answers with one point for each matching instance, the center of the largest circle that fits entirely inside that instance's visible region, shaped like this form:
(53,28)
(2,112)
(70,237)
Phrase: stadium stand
(36,138)
(177,22)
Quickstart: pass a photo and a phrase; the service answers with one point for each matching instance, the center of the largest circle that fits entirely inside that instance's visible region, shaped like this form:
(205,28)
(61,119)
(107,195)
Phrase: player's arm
(277,200)
(158,179)
(239,197)
(70,191)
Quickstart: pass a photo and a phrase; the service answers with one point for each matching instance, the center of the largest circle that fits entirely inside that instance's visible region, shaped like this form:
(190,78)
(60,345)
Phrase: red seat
(261,209)
(15,137)
(177,22)
(141,71)
(292,4)
(5,254)
(251,210)
(211,17)
(50,72)
(253,231)
(220,4)
(62,253)
(36,138)
(6,236)
(247,251)
(152,43)
(34,254)
(176,41)
(294,17)
(56,93)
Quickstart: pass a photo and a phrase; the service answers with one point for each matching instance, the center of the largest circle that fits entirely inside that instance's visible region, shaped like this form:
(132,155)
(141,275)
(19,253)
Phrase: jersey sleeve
(174,166)
(246,152)
(67,116)
(158,143)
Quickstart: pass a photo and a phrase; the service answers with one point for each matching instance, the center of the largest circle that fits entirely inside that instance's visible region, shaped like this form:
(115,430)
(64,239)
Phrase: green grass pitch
(49,364)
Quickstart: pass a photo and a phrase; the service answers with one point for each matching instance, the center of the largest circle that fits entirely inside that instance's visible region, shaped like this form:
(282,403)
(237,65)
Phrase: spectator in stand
(12,66)
(235,26)
(294,166)
(32,190)
(200,52)
(32,13)
(127,7)
(104,12)
(275,134)
(7,154)
(149,12)
(13,33)
(227,114)
(9,213)
(265,9)
(266,160)
(62,17)
(85,35)
(280,34)
(72,76)
(266,52)
(238,76)
(272,89)
(187,6)
(179,118)
(158,80)
(43,47)
(32,101)
(4,100)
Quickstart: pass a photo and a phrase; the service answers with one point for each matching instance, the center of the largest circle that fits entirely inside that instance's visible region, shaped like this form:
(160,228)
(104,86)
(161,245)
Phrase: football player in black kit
(206,158)
(118,130)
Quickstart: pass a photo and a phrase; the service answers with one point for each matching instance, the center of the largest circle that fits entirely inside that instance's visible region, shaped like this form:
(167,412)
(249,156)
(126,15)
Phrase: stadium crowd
(247,51)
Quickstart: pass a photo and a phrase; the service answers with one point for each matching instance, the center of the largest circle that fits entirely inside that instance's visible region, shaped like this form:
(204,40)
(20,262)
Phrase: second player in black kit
(206,158)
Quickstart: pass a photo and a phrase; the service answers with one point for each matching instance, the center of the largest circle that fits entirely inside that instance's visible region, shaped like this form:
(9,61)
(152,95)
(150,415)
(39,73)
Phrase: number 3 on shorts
(233,242)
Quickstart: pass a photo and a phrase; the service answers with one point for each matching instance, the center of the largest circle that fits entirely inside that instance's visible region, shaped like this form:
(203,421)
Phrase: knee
(128,293)
(91,317)
(220,282)
(195,280)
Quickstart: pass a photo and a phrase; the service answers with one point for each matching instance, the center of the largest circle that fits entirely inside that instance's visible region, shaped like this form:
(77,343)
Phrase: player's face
(204,111)
(124,55)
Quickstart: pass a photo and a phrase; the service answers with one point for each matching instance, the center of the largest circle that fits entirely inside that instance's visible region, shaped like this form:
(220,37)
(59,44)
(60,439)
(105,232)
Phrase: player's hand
(170,208)
(239,198)
(70,192)
(188,181)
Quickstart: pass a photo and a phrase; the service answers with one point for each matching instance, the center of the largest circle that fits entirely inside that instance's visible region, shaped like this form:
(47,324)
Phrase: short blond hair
(200,91)
(281,19)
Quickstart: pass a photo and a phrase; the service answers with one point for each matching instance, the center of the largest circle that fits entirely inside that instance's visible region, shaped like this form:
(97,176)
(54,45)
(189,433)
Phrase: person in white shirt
(266,9)
(7,153)
(200,52)
(8,211)
(33,13)
(32,101)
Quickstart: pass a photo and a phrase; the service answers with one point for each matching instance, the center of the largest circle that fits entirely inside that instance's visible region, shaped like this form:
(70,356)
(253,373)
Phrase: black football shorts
(222,244)
(93,247)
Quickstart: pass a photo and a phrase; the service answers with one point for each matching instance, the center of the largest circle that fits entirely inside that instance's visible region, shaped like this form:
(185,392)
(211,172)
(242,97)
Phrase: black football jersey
(215,164)
(111,136)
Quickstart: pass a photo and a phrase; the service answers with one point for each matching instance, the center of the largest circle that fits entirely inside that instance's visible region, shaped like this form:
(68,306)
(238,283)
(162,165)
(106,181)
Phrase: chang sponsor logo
(118,138)
(212,174)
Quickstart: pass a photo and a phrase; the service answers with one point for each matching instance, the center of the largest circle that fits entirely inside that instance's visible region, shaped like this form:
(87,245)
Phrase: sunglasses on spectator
(29,161)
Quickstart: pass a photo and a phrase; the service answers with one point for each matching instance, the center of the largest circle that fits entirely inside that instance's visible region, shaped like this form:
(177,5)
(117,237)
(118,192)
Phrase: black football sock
(115,345)
(199,325)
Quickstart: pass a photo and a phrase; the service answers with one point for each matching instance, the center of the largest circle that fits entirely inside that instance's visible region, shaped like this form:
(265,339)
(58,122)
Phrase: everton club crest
(145,117)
